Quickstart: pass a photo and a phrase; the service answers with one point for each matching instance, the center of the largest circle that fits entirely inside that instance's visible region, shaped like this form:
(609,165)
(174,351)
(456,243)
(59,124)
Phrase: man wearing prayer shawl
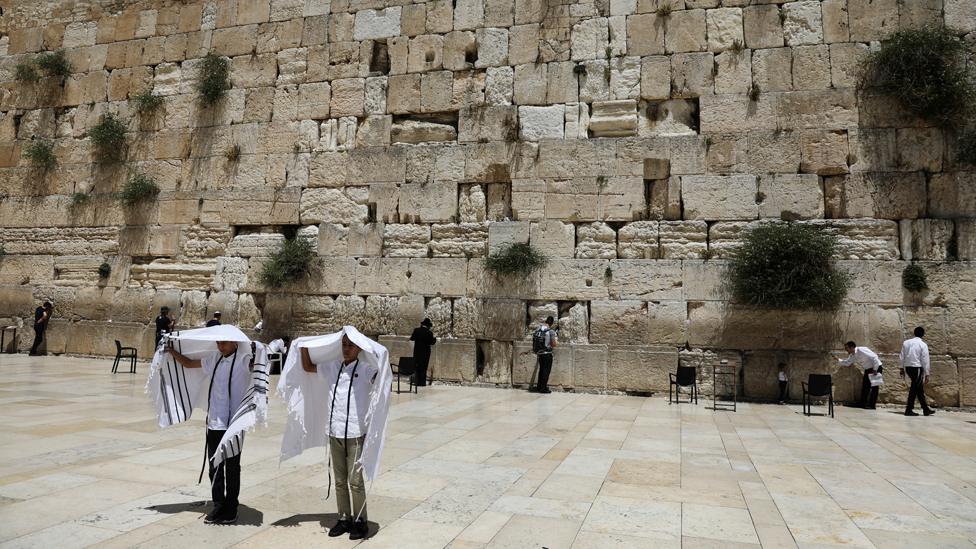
(211,367)
(337,388)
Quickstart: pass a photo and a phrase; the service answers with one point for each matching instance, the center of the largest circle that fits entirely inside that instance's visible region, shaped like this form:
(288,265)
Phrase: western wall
(631,141)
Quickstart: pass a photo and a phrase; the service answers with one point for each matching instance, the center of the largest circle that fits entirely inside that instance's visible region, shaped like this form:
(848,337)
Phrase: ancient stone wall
(631,140)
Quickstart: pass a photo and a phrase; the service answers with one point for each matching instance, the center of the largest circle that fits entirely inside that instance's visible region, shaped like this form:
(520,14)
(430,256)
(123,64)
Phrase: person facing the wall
(423,339)
(868,361)
(543,342)
(41,317)
(784,383)
(164,324)
(215,321)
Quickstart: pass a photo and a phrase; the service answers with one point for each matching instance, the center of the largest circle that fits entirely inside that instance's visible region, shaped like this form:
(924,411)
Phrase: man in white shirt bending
(868,361)
(914,359)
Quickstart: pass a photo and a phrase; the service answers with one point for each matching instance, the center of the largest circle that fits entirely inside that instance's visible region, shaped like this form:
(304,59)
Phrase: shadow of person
(246,516)
(325,520)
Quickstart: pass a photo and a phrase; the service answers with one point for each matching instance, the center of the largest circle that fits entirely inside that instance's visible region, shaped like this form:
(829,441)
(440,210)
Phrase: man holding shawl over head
(210,368)
(337,388)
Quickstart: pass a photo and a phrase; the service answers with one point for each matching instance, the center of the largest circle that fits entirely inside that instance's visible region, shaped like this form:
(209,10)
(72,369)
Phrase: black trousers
(421,375)
(869,394)
(225,479)
(917,389)
(783,385)
(545,368)
(38,338)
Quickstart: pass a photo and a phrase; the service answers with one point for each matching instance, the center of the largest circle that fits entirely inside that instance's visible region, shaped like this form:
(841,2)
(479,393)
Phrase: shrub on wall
(914,279)
(108,138)
(54,63)
(146,104)
(104,270)
(214,78)
(515,259)
(138,189)
(289,263)
(787,266)
(40,153)
(25,72)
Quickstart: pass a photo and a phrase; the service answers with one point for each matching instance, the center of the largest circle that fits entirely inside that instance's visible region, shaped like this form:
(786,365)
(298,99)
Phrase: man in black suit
(423,339)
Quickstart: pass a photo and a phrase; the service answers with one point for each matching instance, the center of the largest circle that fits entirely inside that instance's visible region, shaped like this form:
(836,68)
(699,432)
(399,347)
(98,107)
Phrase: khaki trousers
(349,484)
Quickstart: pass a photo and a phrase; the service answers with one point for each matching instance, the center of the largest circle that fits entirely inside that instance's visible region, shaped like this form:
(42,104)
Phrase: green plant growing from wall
(40,153)
(146,103)
(54,63)
(104,270)
(914,279)
(787,266)
(78,200)
(290,262)
(214,78)
(515,260)
(108,138)
(138,189)
(26,73)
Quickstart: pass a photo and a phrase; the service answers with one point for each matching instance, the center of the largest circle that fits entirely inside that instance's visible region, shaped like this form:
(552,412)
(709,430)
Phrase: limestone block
(499,85)
(416,131)
(492,47)
(381,315)
(231,274)
(469,14)
(375,24)
(496,364)
(331,206)
(920,149)
(655,78)
(803,23)
(60,241)
(314,100)
(874,282)
(811,67)
(625,74)
(458,50)
(967,381)
(618,322)
(531,84)
(617,27)
(553,238)
(836,21)
(590,38)
(686,31)
(348,95)
(734,73)
(643,369)
(437,276)
(465,317)
(435,91)
(864,238)
(638,240)
(562,85)
(931,238)
(574,279)
(574,324)
(26,269)
(468,89)
(772,69)
(292,64)
(506,233)
(719,197)
(438,162)
(254,244)
(454,360)
(724,28)
(824,153)
(683,239)
(425,53)
(404,94)
(169,273)
(381,276)
(877,195)
(590,366)
(471,204)
(537,123)
(503,319)
(692,74)
(405,240)
(440,16)
(596,241)
(960,12)
(525,366)
(594,83)
(966,239)
(645,279)
(428,202)
(577,120)
(645,34)
(952,195)
(523,44)
(762,26)
(845,63)
(350,310)
(438,310)
(613,118)
(870,20)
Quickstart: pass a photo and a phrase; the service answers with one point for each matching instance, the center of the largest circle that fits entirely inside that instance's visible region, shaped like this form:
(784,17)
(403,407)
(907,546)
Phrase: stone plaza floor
(83,463)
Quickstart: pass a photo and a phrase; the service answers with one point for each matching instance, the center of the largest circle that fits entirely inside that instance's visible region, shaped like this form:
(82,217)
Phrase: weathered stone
(762,26)
(254,244)
(373,24)
(553,238)
(590,38)
(415,131)
(686,31)
(613,118)
(878,195)
(331,206)
(931,239)
(645,34)
(692,74)
(952,195)
(596,241)
(405,240)
(536,123)
(683,239)
(803,23)
(643,369)
(724,27)
(655,77)
(719,197)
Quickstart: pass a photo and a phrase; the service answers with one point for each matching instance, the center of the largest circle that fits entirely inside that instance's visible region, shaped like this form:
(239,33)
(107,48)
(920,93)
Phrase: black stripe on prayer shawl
(186,389)
(162,391)
(180,385)
(174,381)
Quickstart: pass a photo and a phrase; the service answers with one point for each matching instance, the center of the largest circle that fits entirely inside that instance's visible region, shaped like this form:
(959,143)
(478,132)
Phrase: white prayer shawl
(307,396)
(176,390)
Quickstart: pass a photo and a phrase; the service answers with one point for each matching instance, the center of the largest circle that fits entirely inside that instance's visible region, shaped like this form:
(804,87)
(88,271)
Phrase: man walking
(543,342)
(423,339)
(914,359)
(868,361)
(41,317)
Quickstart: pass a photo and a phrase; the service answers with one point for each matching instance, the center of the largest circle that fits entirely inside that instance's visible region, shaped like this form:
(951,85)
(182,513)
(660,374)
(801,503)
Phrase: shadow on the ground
(325,520)
(246,516)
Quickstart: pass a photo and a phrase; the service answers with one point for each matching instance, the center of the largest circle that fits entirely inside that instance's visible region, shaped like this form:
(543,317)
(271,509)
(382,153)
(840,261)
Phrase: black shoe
(226,516)
(928,412)
(911,414)
(359,530)
(341,527)
(545,391)
(213,517)
(870,408)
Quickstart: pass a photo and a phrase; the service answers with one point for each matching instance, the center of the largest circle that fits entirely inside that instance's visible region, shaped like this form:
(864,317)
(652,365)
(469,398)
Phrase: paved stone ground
(82,463)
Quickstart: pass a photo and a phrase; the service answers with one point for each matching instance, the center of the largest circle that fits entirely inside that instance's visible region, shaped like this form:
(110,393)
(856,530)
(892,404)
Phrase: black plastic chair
(275,360)
(818,385)
(687,376)
(124,352)
(406,367)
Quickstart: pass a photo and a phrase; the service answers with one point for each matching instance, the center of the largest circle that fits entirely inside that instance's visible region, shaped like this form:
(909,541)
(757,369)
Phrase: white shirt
(225,393)
(915,354)
(357,386)
(277,346)
(782,376)
(866,359)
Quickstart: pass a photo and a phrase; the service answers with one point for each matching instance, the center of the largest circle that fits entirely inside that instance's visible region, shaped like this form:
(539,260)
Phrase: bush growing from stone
(787,266)
(54,63)
(138,189)
(104,270)
(146,103)
(914,279)
(108,138)
(515,259)
(40,153)
(291,262)
(26,72)
(214,78)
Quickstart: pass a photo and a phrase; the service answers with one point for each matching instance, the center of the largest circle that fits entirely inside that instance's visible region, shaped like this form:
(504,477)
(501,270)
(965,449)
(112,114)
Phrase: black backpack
(539,341)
